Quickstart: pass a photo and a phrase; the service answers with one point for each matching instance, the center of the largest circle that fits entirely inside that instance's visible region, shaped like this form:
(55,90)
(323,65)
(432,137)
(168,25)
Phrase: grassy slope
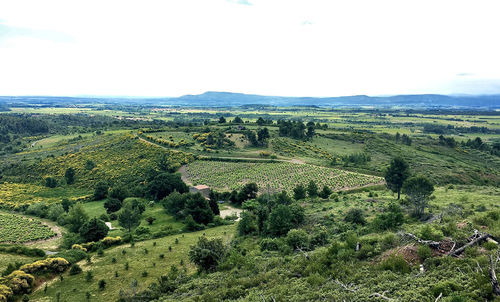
(73,288)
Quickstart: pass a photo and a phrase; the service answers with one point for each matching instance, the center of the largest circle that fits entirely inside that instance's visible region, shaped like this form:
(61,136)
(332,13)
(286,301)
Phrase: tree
(70,176)
(299,192)
(50,182)
(247,224)
(325,193)
(165,183)
(418,189)
(396,174)
(312,189)
(54,211)
(150,220)
(310,132)
(237,120)
(76,218)
(101,190)
(197,206)
(262,136)
(280,220)
(128,218)
(112,205)
(222,120)
(119,192)
(94,230)
(260,121)
(174,204)
(249,191)
(207,254)
(66,204)
(89,164)
(214,206)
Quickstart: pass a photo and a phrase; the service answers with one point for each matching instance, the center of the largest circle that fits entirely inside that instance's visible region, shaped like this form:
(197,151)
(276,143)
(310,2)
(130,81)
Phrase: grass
(5,259)
(162,222)
(74,288)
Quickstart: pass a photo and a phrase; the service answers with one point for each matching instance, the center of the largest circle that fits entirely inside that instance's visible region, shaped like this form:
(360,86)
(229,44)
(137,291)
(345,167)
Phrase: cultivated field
(278,176)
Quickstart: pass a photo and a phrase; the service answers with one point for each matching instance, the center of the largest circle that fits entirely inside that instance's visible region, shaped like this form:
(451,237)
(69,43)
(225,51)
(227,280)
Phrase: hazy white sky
(273,47)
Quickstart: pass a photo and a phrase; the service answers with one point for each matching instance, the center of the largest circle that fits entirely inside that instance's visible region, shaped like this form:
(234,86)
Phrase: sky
(269,47)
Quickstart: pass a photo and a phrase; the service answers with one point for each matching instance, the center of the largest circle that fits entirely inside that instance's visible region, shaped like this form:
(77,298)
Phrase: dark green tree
(94,230)
(70,176)
(76,218)
(214,206)
(197,206)
(237,120)
(312,189)
(299,192)
(128,218)
(119,192)
(325,193)
(207,254)
(396,174)
(66,204)
(247,224)
(165,183)
(101,190)
(280,220)
(222,120)
(112,205)
(419,190)
(50,182)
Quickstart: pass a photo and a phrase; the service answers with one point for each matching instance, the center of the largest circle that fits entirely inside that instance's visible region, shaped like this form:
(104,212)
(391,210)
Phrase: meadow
(155,257)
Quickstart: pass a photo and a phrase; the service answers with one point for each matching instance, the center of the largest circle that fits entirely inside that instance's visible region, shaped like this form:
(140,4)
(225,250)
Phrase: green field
(277,176)
(19,229)
(73,288)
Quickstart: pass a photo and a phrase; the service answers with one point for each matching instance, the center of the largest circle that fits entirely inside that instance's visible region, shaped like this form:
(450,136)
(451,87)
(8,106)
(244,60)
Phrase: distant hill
(223,99)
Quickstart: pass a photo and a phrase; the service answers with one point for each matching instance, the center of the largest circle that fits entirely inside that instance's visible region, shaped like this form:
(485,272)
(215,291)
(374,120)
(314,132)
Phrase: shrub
(297,239)
(429,233)
(142,230)
(110,241)
(424,252)
(396,264)
(55,265)
(207,254)
(75,269)
(355,216)
(89,276)
(269,244)
(19,281)
(72,256)
(102,284)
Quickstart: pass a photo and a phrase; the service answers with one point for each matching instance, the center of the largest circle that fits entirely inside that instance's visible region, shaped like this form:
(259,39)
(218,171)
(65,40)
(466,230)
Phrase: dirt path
(229,210)
(47,244)
(184,176)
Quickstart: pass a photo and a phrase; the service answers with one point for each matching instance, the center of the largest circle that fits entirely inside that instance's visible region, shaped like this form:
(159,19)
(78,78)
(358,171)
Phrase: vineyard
(279,176)
(19,229)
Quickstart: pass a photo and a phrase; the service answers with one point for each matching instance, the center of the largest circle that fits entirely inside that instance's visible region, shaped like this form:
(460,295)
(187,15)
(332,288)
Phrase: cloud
(465,74)
(243,2)
(9,32)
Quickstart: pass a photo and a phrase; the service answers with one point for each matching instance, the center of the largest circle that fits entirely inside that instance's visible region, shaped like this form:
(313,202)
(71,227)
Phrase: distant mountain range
(224,99)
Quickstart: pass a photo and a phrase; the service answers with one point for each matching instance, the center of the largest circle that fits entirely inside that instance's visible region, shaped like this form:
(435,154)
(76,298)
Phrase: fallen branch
(430,243)
(439,297)
(348,288)
(493,275)
(380,296)
(478,239)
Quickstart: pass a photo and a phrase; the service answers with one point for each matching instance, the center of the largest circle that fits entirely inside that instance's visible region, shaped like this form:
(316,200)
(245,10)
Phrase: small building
(203,189)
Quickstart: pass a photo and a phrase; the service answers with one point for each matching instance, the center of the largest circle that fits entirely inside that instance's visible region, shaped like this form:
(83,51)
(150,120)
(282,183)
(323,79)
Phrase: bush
(207,254)
(102,284)
(54,265)
(75,269)
(94,230)
(424,252)
(72,256)
(142,230)
(50,182)
(269,244)
(396,264)
(429,233)
(355,216)
(298,239)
